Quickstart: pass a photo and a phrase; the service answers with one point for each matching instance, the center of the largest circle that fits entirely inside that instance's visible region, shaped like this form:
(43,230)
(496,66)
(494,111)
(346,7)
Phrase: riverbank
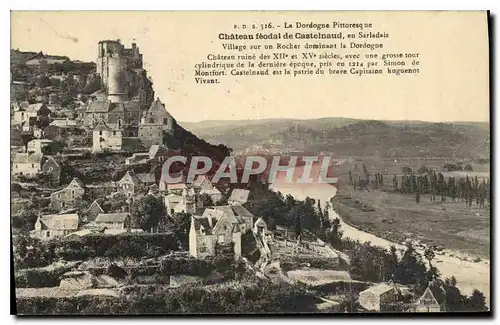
(469,275)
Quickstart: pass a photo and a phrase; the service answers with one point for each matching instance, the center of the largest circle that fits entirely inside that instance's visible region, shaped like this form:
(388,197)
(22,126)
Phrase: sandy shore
(469,275)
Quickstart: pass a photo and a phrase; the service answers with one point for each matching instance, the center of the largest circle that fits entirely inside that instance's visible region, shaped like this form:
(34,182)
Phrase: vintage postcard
(250,162)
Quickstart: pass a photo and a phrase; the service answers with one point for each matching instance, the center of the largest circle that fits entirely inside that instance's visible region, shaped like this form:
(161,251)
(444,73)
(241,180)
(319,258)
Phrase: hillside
(350,137)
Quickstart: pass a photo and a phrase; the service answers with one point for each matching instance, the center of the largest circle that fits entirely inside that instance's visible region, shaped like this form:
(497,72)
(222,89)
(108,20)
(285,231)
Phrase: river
(469,275)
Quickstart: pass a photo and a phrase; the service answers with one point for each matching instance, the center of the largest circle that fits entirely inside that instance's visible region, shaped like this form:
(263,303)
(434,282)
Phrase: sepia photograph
(250,162)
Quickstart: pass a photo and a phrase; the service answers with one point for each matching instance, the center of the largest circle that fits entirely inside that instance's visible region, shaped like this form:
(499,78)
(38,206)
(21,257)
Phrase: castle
(126,102)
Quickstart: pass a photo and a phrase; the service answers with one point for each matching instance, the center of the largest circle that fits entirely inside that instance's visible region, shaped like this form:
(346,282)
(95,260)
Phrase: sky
(452,46)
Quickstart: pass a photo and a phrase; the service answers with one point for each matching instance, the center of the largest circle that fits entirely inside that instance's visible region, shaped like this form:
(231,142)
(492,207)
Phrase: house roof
(382,288)
(64,123)
(176,186)
(46,141)
(112,217)
(146,177)
(132,106)
(99,106)
(27,158)
(212,191)
(78,182)
(51,160)
(60,221)
(427,298)
(155,149)
(239,195)
(34,107)
(129,177)
(199,180)
(96,205)
(101,126)
(174,198)
(240,210)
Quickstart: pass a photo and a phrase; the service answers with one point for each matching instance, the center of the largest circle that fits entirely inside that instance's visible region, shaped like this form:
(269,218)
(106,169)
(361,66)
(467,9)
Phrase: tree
(298,226)
(206,200)
(148,211)
(468,168)
(476,302)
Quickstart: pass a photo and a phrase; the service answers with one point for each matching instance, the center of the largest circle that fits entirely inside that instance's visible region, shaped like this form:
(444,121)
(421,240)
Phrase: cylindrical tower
(117,79)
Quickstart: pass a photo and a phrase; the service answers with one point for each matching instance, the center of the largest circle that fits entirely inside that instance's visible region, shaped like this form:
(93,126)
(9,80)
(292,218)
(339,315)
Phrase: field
(450,225)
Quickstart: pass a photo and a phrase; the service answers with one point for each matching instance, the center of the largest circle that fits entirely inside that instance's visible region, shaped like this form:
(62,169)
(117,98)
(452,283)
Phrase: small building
(93,211)
(68,196)
(158,153)
(213,231)
(42,146)
(155,121)
(105,138)
(137,158)
(25,164)
(52,170)
(185,202)
(214,193)
(56,225)
(373,297)
(202,183)
(129,184)
(146,179)
(176,188)
(427,303)
(260,227)
(118,220)
(238,196)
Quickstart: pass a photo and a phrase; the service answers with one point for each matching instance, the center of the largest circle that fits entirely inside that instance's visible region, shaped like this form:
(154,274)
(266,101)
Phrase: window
(32,165)
(151,120)
(100,132)
(165,121)
(203,249)
(114,132)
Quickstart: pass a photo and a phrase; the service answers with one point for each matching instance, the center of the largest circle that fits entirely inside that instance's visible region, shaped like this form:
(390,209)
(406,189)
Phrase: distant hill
(350,137)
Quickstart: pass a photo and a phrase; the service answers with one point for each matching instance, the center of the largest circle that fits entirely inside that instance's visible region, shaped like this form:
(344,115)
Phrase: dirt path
(469,275)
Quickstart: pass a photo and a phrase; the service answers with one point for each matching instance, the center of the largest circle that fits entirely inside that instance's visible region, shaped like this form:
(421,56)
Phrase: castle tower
(114,63)
(117,79)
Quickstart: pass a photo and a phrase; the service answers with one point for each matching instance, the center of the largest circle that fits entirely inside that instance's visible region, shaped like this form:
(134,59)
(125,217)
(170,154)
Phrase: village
(92,212)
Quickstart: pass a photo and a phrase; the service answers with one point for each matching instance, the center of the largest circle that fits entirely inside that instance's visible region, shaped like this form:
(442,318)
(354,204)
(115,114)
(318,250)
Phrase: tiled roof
(146,178)
(239,195)
(99,106)
(34,158)
(60,221)
(111,217)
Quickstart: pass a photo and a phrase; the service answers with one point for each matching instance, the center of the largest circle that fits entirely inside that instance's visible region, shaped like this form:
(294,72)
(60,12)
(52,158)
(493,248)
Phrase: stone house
(42,146)
(56,225)
(25,164)
(68,196)
(129,184)
(105,138)
(373,297)
(214,193)
(114,221)
(427,303)
(52,169)
(115,115)
(158,153)
(212,231)
(146,179)
(185,202)
(238,212)
(24,111)
(137,158)
(202,183)
(154,122)
(93,211)
(260,227)
(238,196)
